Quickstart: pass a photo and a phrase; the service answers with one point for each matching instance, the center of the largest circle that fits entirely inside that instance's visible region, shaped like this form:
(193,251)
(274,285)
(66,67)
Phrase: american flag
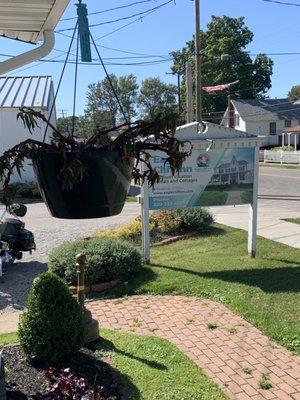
(219,88)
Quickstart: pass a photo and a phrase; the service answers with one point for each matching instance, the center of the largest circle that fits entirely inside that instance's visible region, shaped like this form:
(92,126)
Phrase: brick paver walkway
(225,357)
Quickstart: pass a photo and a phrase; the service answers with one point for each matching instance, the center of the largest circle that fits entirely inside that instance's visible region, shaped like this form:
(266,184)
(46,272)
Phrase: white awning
(27,19)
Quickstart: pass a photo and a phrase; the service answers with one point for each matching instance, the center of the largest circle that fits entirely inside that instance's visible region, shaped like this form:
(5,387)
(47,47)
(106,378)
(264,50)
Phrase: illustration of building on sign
(235,172)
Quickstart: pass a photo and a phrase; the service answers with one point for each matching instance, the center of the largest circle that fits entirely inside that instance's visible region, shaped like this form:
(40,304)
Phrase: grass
(264,382)
(264,290)
(148,368)
(131,199)
(247,370)
(213,197)
(212,325)
(156,369)
(247,196)
(8,338)
(293,220)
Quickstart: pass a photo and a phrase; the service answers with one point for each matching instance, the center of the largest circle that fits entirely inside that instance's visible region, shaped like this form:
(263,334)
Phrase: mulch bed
(27,381)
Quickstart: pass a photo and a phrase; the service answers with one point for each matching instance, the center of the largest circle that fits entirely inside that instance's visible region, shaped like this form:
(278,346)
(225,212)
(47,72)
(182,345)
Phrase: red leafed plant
(63,385)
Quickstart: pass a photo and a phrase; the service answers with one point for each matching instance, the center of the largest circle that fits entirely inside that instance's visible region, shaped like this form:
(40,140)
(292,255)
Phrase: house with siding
(235,172)
(265,117)
(36,92)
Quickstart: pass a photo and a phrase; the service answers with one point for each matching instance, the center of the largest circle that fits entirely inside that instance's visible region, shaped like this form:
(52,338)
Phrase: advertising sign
(207,178)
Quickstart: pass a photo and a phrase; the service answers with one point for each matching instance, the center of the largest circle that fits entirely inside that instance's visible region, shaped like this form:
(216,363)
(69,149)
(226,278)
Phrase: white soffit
(26,20)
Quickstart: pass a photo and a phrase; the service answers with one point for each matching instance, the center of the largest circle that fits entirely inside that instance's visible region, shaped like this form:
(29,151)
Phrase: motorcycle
(14,238)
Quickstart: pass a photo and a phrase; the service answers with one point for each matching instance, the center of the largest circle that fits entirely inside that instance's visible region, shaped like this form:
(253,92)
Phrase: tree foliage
(294,93)
(102,106)
(226,35)
(156,97)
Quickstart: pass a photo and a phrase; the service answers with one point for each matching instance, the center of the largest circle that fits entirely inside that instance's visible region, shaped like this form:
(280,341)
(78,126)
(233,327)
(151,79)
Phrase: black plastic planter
(101,193)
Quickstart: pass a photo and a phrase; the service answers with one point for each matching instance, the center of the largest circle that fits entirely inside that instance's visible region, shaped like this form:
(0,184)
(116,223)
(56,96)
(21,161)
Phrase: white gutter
(30,56)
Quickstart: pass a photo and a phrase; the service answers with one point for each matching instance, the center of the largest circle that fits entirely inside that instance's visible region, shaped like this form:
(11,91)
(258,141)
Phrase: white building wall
(13,132)
(263,128)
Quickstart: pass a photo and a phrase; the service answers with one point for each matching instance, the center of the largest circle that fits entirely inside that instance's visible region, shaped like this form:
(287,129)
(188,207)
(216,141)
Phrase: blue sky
(276,29)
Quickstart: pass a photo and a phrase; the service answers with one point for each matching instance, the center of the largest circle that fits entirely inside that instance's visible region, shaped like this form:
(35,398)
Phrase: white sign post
(252,231)
(145,223)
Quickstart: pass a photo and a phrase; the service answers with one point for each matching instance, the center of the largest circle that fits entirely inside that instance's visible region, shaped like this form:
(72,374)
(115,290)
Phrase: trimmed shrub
(193,219)
(53,324)
(107,259)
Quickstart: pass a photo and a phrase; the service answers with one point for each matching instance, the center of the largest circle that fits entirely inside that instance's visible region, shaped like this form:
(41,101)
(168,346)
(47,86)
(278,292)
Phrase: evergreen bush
(53,324)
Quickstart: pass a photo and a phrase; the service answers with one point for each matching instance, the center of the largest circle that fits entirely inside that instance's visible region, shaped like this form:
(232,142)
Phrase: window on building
(273,128)
(224,178)
(242,176)
(287,123)
(237,120)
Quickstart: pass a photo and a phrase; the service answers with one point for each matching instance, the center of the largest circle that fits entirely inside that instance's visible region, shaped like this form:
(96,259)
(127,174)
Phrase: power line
(282,3)
(120,51)
(111,9)
(139,19)
(122,18)
(55,60)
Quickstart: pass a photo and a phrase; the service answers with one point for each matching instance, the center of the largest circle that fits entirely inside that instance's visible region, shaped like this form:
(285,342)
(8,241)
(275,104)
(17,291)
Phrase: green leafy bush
(182,220)
(23,191)
(53,324)
(107,259)
(26,190)
(163,224)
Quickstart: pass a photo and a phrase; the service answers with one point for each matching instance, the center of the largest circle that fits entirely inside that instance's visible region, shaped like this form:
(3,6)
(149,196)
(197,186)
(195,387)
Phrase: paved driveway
(279,197)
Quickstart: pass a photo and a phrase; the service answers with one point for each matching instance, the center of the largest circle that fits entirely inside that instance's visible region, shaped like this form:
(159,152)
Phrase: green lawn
(247,196)
(293,220)
(213,197)
(264,290)
(153,369)
(131,199)
(8,338)
(148,368)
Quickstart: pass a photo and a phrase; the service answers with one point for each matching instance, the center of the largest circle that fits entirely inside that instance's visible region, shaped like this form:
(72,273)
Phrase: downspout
(30,56)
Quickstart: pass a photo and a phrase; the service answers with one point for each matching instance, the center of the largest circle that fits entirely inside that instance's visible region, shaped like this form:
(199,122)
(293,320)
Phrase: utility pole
(189,92)
(198,64)
(178,88)
(63,112)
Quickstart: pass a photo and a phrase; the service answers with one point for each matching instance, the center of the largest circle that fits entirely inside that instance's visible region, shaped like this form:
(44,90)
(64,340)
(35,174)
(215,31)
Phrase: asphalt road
(279,197)
(280,186)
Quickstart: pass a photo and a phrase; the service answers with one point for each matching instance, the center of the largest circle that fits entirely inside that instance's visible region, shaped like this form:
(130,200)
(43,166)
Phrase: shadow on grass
(212,231)
(144,275)
(107,345)
(271,280)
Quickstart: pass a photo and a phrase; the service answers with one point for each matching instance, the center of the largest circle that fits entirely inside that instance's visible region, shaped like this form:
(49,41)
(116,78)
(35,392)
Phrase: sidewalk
(222,355)
(270,224)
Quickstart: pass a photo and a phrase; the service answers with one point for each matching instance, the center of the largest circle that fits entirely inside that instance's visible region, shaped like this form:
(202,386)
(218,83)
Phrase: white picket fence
(282,157)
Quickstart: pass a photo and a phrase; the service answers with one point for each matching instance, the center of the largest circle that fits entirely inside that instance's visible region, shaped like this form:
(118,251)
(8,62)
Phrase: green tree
(294,93)
(82,127)
(226,35)
(156,96)
(102,106)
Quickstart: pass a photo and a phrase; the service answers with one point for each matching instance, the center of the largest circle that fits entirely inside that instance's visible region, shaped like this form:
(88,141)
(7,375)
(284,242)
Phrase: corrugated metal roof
(25,91)
(26,19)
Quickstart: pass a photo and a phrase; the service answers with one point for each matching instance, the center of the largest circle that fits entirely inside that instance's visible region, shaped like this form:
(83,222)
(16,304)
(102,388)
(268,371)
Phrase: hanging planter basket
(101,193)
(90,178)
